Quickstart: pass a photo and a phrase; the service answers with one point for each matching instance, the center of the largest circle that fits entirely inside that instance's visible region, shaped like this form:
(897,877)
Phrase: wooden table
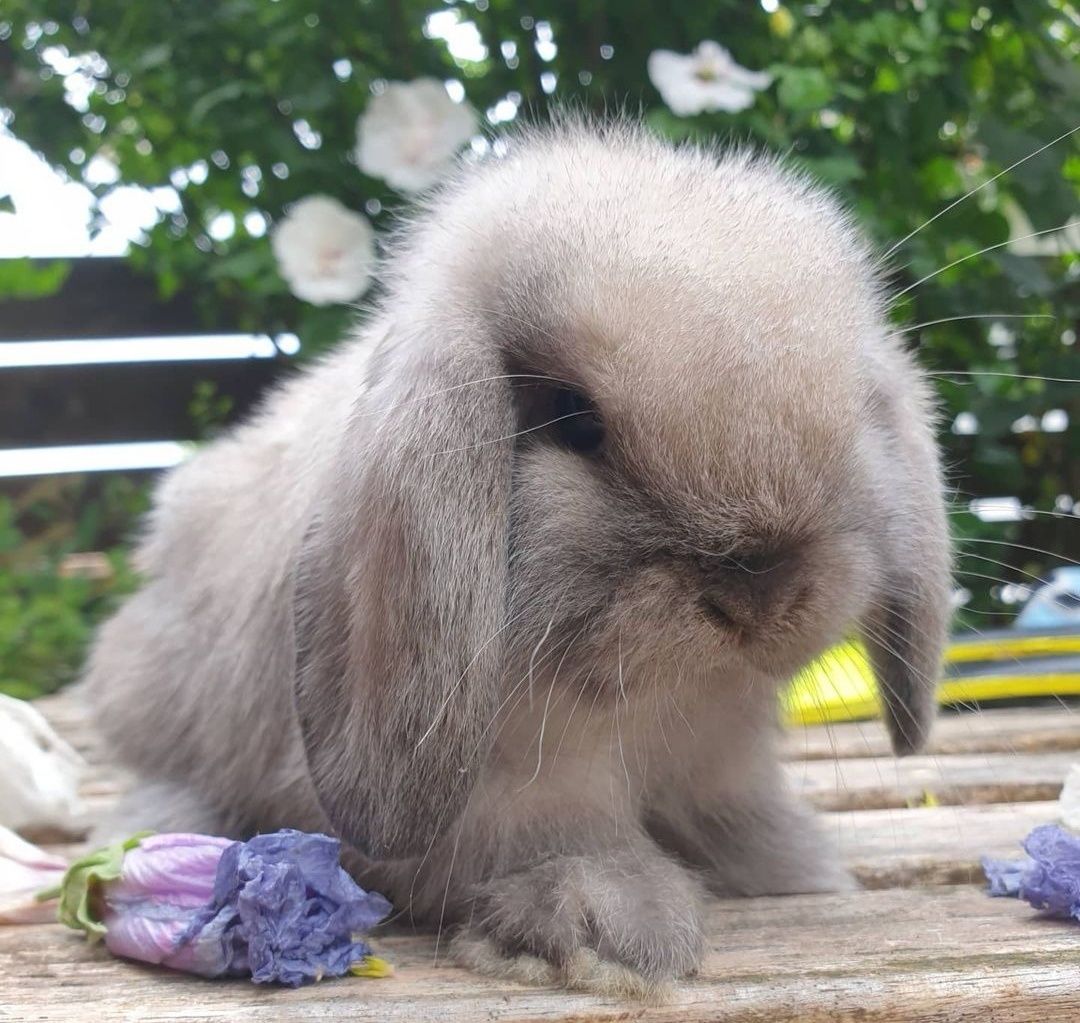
(921,942)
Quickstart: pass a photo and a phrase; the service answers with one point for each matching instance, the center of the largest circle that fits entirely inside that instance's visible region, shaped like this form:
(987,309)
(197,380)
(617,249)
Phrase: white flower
(409,134)
(707,79)
(39,772)
(324,251)
(24,871)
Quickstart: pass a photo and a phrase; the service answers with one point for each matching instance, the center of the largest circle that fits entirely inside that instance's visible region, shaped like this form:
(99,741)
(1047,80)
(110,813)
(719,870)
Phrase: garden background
(235,114)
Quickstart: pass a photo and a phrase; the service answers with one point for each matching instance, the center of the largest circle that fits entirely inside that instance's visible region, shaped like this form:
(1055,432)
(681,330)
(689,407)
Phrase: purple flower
(1048,878)
(1004,876)
(165,883)
(1052,883)
(284,910)
(276,908)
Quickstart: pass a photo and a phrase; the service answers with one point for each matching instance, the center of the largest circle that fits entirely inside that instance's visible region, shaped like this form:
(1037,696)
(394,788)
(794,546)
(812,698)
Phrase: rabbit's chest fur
(630,765)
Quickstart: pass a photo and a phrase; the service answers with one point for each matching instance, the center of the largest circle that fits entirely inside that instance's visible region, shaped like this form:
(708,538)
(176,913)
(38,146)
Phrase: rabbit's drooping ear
(904,640)
(400,596)
(906,632)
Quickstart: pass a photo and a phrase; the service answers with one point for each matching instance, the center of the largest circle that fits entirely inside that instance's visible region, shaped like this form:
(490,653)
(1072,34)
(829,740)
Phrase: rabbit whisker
(570,717)
(1026,512)
(979,188)
(618,724)
(999,373)
(1002,564)
(547,708)
(449,877)
(536,650)
(512,436)
(457,685)
(383,410)
(974,255)
(1020,547)
(971,316)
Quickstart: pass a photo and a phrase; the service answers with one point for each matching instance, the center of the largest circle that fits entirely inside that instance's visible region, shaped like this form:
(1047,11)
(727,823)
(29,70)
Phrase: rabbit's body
(217,558)
(503,591)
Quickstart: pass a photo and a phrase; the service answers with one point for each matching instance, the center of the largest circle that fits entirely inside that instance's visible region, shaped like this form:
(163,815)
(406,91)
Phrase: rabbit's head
(634,403)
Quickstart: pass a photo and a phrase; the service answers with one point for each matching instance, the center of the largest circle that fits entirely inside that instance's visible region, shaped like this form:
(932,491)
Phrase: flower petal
(285,909)
(706,80)
(409,134)
(176,869)
(1052,884)
(147,932)
(39,771)
(324,251)
(24,871)
(82,879)
(740,76)
(1005,876)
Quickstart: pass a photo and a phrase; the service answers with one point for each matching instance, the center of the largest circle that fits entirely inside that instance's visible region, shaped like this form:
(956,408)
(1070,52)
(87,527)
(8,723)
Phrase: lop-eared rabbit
(503,591)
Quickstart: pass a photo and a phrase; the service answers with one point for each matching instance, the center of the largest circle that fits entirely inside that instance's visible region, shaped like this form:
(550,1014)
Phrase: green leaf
(82,878)
(804,89)
(833,170)
(243,265)
(887,80)
(29,278)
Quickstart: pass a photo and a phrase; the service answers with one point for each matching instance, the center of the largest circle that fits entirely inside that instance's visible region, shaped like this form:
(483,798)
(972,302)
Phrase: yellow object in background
(838,686)
(1003,665)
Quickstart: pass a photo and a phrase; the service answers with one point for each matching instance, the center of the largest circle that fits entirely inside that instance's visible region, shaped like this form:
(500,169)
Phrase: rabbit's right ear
(400,595)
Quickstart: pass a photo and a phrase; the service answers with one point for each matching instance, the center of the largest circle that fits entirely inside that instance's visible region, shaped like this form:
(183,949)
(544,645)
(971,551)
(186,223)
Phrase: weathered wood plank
(101,297)
(993,730)
(931,845)
(68,713)
(996,730)
(934,956)
(882,848)
(123,401)
(945,955)
(872,783)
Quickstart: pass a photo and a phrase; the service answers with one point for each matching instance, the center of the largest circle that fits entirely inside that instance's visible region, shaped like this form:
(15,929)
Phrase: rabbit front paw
(622,923)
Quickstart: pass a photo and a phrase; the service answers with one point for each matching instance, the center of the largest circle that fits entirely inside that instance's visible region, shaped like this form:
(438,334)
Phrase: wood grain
(871,783)
(891,953)
(897,956)
(994,730)
(940,845)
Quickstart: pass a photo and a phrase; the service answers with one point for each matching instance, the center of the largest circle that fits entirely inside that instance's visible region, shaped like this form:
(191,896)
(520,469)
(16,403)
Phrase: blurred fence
(107,360)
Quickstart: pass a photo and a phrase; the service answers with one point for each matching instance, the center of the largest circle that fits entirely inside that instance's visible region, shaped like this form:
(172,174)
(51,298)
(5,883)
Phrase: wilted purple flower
(1004,876)
(165,884)
(276,908)
(284,910)
(1052,883)
(1048,878)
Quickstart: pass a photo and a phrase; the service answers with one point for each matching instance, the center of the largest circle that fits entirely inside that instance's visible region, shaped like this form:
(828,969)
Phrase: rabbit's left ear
(906,631)
(904,639)
(400,595)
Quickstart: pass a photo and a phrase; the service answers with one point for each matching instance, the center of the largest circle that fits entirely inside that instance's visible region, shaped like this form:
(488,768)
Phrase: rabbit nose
(746,597)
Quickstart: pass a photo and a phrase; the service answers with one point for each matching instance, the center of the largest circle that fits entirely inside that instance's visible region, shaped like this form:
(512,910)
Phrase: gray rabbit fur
(528,671)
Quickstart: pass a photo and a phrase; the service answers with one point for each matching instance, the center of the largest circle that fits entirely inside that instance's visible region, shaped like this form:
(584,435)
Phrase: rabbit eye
(576,421)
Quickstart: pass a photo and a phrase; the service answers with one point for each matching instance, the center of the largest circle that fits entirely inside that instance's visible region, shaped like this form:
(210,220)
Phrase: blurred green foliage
(902,106)
(47,615)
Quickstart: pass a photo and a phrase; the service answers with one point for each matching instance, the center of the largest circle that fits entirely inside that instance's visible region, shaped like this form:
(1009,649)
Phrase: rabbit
(503,591)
